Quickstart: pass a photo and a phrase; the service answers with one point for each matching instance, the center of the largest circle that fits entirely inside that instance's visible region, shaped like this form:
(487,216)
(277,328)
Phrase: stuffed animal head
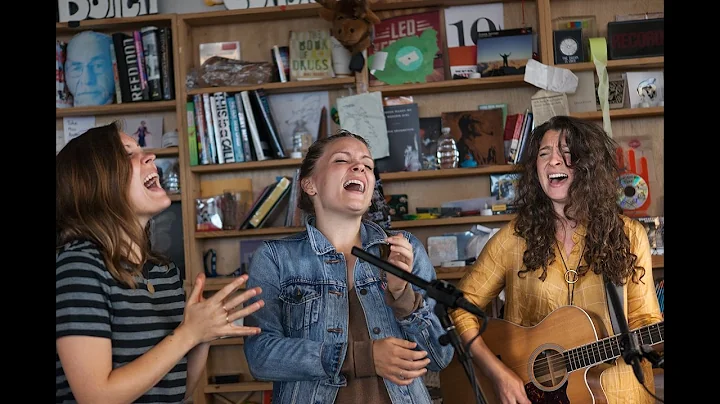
(352,22)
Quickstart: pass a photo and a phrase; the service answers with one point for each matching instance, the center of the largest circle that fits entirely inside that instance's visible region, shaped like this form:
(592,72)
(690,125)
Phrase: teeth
(362,186)
(151,178)
(557,176)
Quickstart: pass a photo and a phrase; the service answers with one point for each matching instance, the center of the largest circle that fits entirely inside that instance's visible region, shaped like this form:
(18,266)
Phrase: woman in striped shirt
(124,331)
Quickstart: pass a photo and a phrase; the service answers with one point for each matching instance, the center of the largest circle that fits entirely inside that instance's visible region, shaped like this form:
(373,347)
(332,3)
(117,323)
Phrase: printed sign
(78,10)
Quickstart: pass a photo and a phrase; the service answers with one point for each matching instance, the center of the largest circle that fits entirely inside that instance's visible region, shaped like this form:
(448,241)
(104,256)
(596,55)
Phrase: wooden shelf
(114,24)
(624,113)
(228,341)
(448,86)
(251,165)
(452,273)
(164,152)
(301,11)
(117,109)
(289,87)
(237,387)
(269,231)
(620,64)
(445,173)
(450,221)
(175,197)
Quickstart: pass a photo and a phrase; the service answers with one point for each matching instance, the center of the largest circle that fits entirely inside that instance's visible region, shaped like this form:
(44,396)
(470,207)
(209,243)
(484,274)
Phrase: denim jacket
(303,280)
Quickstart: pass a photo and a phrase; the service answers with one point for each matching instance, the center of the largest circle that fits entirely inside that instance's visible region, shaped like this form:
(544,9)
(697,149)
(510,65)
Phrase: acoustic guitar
(560,359)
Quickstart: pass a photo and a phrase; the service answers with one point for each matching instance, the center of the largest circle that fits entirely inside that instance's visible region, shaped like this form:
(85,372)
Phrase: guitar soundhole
(549,369)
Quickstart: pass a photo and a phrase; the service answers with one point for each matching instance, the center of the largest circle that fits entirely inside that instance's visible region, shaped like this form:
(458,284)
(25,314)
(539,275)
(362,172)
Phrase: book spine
(192,133)
(235,129)
(137,37)
(166,63)
(209,129)
(203,148)
(279,65)
(137,93)
(274,135)
(247,151)
(122,65)
(116,74)
(150,40)
(254,133)
(272,199)
(223,136)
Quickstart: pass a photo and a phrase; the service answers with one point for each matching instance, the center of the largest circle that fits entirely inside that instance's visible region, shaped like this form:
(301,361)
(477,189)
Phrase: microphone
(443,292)
(629,346)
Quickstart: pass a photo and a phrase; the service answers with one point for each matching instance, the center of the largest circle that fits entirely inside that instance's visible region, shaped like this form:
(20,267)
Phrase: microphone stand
(629,346)
(446,297)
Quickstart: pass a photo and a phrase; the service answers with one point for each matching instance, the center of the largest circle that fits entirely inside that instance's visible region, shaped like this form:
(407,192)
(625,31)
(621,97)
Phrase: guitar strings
(560,360)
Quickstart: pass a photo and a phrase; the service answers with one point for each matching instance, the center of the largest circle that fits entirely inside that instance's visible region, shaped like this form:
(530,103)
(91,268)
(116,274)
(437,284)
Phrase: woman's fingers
(246,311)
(241,298)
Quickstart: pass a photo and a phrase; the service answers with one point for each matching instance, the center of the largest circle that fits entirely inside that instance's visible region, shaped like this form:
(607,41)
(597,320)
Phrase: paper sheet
(598,50)
(546,104)
(550,78)
(363,114)
(75,126)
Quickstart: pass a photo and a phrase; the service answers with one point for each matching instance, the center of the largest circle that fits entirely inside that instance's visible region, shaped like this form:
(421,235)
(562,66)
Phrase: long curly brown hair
(591,201)
(92,176)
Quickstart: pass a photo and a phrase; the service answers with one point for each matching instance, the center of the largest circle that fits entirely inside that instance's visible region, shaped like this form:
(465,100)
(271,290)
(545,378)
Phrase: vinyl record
(633,191)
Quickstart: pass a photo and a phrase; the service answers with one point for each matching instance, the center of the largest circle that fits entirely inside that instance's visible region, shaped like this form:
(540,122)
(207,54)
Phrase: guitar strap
(613,313)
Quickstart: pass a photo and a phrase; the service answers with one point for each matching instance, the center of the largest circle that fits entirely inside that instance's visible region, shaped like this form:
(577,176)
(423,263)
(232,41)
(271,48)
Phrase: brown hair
(92,176)
(591,200)
(314,153)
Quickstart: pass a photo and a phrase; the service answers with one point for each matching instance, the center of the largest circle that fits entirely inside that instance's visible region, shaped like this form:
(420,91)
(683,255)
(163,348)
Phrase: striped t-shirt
(88,301)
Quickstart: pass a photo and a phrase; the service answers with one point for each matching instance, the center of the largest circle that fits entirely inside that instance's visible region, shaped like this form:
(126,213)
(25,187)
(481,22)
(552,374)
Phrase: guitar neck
(609,348)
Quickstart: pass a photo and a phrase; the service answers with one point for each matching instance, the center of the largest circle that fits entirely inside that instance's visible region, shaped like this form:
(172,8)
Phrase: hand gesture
(212,318)
(395,360)
(509,387)
(401,255)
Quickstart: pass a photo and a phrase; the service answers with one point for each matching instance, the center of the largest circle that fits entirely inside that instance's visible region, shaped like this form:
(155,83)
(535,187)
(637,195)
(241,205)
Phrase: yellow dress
(528,300)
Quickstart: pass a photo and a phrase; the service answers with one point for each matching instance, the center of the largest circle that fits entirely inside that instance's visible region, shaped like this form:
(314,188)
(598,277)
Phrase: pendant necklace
(571,275)
(146,279)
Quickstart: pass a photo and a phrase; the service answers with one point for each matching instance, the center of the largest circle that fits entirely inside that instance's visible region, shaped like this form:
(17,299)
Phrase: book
(202,139)
(280,62)
(403,131)
(221,123)
(192,133)
(310,55)
(243,125)
(258,148)
(235,129)
(262,106)
(478,134)
(167,72)
(462,23)
(407,49)
(151,51)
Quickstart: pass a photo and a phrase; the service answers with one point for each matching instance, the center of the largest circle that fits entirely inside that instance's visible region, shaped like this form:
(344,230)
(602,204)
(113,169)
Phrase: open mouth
(152,181)
(354,185)
(555,178)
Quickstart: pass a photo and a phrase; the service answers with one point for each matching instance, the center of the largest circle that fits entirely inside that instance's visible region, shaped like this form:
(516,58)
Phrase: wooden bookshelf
(117,109)
(175,197)
(657,62)
(445,173)
(237,387)
(453,273)
(250,165)
(289,87)
(114,24)
(625,113)
(265,231)
(448,86)
(450,221)
(164,152)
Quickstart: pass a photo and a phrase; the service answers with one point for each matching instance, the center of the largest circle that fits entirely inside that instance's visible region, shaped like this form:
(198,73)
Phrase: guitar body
(535,355)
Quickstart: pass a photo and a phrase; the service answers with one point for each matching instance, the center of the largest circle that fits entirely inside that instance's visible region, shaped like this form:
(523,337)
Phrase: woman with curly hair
(568,238)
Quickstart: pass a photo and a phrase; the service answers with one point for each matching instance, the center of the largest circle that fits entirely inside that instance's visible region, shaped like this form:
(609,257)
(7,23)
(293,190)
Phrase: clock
(568,45)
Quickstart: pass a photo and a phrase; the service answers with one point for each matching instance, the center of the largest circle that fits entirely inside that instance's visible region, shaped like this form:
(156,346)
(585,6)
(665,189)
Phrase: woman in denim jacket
(336,329)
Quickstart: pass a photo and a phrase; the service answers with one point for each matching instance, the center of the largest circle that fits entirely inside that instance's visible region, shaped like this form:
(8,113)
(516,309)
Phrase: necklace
(146,278)
(571,275)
